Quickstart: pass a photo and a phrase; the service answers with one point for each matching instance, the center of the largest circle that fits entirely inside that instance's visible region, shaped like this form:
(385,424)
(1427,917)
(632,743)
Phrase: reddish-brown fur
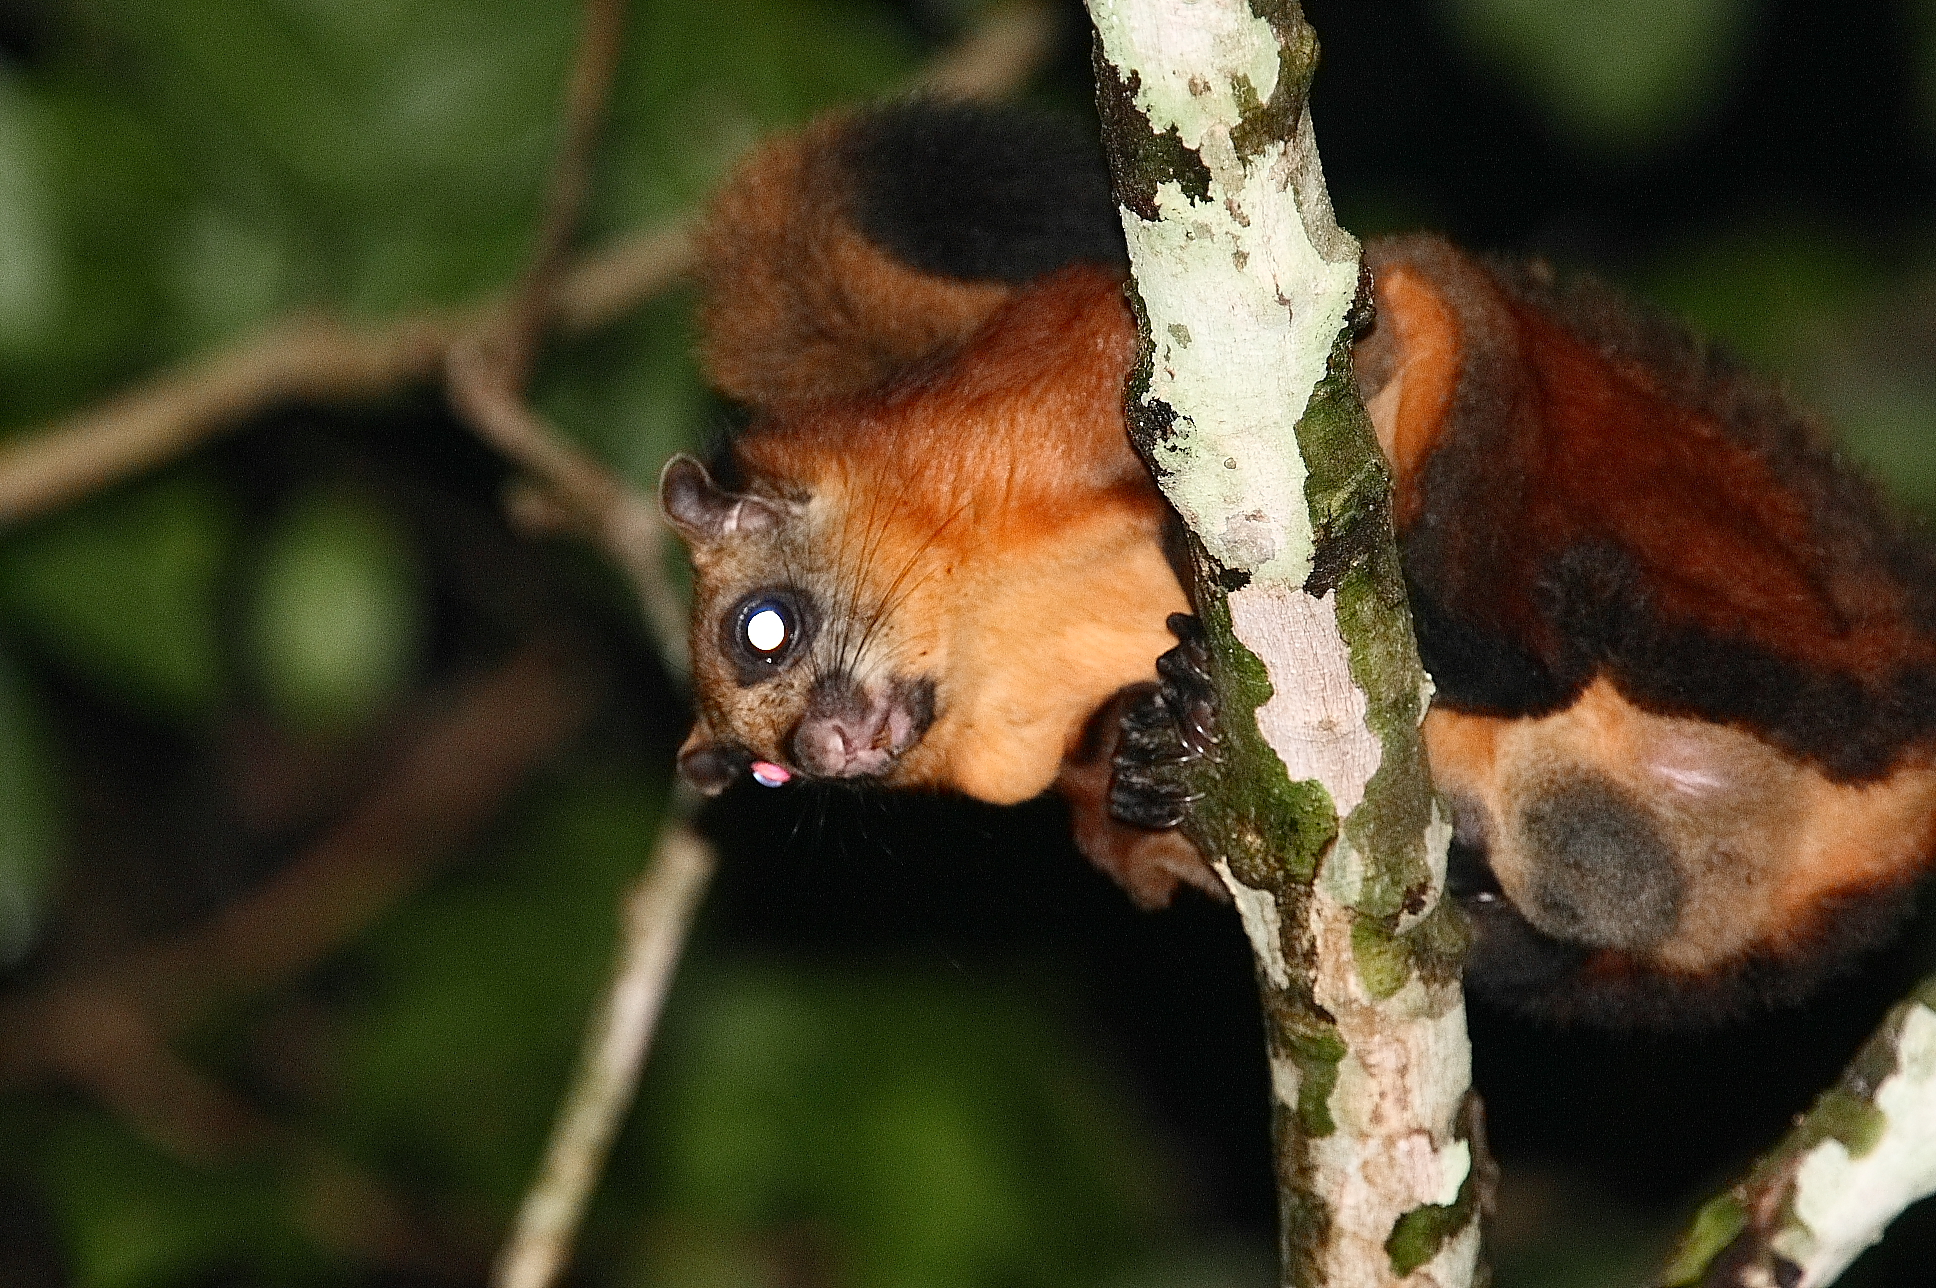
(1607,456)
(847,318)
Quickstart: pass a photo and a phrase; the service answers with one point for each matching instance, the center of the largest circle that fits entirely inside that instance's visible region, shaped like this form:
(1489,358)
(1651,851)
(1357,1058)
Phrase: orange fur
(991,536)
(1416,350)
(1766,843)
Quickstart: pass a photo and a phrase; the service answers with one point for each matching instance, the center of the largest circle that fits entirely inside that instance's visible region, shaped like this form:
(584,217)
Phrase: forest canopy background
(917,1042)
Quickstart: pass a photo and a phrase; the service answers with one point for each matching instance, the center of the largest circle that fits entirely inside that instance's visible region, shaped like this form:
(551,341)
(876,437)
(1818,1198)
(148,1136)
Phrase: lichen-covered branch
(1317,810)
(1863,1153)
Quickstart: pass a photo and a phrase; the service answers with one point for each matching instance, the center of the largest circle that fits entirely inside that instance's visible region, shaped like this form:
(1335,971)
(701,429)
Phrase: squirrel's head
(800,661)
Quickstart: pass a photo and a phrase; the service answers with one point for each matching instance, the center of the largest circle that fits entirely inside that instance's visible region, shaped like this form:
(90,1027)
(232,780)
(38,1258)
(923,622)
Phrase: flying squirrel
(1685,662)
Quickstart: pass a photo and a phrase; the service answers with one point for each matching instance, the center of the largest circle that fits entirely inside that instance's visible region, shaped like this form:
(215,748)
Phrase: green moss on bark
(1273,831)
(1348,490)
(1142,160)
(1719,1222)
(1421,1232)
(1274,120)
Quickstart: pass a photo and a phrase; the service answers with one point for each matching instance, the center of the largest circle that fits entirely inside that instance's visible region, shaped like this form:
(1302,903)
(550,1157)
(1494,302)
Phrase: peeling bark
(1317,811)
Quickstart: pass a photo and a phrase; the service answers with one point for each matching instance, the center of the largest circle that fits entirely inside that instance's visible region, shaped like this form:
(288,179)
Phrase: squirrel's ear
(703,511)
(704,763)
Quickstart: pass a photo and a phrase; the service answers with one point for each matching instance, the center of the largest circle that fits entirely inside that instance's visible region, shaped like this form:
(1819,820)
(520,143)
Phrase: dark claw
(1139,809)
(1196,726)
(1165,732)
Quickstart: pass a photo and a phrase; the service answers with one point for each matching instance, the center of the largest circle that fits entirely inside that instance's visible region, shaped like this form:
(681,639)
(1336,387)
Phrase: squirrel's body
(1686,667)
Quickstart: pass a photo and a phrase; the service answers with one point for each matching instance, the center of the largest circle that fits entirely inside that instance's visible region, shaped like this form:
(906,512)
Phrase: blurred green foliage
(175,174)
(926,1132)
(1616,76)
(336,623)
(125,591)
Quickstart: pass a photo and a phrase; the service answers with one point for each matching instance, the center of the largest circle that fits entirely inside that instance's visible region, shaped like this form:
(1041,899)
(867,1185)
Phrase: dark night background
(916,1041)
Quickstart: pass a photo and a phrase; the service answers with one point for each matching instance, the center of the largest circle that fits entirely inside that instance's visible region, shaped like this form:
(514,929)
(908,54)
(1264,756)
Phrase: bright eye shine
(766,630)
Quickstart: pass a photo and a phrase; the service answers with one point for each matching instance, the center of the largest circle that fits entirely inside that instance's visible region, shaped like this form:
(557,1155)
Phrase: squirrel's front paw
(1166,730)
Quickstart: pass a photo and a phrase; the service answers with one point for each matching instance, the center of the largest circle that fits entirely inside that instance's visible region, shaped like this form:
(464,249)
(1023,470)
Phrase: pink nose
(849,743)
(851,732)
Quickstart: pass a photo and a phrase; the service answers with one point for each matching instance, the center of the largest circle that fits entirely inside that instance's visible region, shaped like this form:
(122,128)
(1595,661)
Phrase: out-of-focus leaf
(1619,75)
(227,274)
(634,395)
(1769,291)
(106,197)
(702,82)
(29,819)
(926,1133)
(395,149)
(29,260)
(124,591)
(402,145)
(482,989)
(134,1218)
(337,615)
(1796,301)
(1888,423)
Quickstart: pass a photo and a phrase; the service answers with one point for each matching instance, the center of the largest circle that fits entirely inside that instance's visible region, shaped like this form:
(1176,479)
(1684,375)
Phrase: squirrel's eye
(767,632)
(767,629)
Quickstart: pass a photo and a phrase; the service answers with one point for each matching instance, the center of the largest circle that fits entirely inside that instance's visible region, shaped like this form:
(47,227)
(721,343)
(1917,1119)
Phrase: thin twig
(312,359)
(658,913)
(619,520)
(586,97)
(486,379)
(1862,1154)
(994,61)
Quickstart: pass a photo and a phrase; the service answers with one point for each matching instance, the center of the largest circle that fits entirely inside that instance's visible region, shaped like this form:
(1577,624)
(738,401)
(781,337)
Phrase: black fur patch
(981,192)
(1599,603)
(1481,672)
(1592,597)
(1852,731)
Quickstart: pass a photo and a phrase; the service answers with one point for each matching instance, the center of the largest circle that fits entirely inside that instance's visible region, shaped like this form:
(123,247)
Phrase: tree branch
(1863,1153)
(1317,810)
(657,915)
(587,96)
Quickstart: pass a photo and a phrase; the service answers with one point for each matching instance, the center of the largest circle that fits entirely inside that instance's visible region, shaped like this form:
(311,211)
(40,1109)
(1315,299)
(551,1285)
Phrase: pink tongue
(767,774)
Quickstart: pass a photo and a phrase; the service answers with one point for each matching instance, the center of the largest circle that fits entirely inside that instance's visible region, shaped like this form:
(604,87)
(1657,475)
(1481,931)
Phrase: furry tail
(840,258)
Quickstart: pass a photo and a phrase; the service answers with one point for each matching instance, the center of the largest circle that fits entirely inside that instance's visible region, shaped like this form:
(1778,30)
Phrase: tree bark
(1317,810)
(1863,1153)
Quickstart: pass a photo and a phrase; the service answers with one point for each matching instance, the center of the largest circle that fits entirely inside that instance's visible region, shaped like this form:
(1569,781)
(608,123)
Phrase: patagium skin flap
(1685,663)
